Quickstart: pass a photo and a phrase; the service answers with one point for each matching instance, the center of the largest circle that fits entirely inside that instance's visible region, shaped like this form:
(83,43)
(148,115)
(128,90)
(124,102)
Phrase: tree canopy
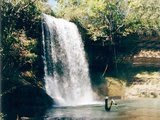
(103,18)
(21,41)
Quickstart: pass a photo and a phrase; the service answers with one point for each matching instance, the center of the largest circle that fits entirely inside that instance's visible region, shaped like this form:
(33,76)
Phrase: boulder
(26,101)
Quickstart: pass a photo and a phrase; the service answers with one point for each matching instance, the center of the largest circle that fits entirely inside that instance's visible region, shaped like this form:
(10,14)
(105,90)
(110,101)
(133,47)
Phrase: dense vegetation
(21,50)
(113,32)
(124,27)
(104,18)
(21,42)
(121,27)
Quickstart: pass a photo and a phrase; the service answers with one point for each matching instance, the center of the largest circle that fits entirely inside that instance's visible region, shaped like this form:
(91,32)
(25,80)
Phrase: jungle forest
(79,59)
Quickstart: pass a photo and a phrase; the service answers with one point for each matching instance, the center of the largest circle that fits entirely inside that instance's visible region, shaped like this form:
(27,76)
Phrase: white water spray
(66,70)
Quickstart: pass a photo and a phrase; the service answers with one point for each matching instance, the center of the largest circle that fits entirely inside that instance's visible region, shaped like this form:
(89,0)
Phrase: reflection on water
(147,109)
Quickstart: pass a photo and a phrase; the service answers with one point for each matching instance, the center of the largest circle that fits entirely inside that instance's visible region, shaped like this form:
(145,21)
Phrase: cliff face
(145,85)
(147,58)
(134,56)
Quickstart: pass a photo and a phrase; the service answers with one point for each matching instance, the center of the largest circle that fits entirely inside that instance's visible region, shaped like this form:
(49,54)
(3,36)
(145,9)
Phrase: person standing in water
(108,107)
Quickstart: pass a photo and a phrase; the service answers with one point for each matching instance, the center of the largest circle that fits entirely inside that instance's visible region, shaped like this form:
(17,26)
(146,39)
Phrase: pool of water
(146,109)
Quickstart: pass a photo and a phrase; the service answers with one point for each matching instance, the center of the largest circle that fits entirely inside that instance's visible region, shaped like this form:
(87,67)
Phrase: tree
(21,42)
(111,17)
(102,19)
(144,16)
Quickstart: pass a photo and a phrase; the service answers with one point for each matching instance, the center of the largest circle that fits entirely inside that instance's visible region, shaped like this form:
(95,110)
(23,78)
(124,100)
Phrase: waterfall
(66,70)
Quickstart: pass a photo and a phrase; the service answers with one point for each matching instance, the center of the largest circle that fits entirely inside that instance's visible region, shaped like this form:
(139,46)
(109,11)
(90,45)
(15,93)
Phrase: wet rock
(26,101)
(115,87)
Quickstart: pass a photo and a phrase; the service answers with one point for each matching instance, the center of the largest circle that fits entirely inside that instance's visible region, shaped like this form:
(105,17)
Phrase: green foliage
(145,14)
(21,38)
(104,19)
(65,8)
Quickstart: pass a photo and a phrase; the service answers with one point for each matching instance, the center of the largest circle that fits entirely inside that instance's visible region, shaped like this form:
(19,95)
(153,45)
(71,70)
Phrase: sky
(52,2)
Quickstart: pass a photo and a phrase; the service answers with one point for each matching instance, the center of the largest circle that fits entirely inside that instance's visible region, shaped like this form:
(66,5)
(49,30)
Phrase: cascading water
(66,70)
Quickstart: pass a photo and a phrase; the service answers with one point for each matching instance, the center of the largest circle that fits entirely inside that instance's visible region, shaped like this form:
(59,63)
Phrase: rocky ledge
(145,85)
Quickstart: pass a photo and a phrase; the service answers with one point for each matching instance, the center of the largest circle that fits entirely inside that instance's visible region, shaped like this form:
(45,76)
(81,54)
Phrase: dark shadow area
(98,53)
(127,72)
(104,62)
(26,101)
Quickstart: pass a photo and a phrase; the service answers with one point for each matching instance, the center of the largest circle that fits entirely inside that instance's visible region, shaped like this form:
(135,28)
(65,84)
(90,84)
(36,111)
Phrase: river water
(144,109)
